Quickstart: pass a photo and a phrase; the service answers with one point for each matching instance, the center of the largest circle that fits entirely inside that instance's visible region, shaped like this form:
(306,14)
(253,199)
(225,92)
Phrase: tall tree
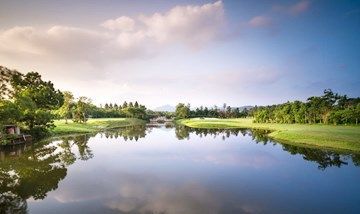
(81,110)
(125,105)
(182,111)
(65,109)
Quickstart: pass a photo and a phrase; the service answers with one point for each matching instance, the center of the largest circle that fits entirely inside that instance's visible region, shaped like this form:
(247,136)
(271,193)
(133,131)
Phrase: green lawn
(93,125)
(325,136)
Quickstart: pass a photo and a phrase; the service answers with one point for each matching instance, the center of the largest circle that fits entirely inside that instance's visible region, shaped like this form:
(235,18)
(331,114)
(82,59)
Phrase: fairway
(93,125)
(314,135)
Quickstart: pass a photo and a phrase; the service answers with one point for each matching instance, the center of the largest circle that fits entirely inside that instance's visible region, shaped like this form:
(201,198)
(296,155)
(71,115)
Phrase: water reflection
(324,158)
(126,179)
(68,144)
(31,172)
(127,133)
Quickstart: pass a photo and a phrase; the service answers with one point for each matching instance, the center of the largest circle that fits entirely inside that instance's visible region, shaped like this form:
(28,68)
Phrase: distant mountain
(167,108)
(241,108)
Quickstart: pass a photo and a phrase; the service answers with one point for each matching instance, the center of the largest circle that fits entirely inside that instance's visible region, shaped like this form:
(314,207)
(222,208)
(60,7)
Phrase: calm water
(176,170)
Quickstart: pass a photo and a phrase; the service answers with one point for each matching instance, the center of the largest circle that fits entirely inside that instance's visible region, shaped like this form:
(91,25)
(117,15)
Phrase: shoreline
(338,138)
(92,125)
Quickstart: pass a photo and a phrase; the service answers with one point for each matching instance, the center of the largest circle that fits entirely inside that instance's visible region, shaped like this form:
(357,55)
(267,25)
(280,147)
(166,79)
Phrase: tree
(357,114)
(35,99)
(6,89)
(125,105)
(136,105)
(65,110)
(42,93)
(328,108)
(228,112)
(236,112)
(81,110)
(182,111)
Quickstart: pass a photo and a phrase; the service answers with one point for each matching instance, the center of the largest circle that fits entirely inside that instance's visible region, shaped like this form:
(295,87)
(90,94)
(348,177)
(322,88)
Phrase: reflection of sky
(160,173)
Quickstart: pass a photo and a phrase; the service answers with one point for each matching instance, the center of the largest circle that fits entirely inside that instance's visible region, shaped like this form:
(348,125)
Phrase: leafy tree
(6,89)
(81,110)
(9,112)
(125,105)
(34,98)
(182,111)
(65,110)
(42,93)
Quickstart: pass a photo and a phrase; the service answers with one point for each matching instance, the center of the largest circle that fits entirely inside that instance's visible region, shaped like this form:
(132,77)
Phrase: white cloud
(123,23)
(260,21)
(193,26)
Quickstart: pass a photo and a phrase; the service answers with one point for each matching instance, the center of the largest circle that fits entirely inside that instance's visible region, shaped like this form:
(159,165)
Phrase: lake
(158,169)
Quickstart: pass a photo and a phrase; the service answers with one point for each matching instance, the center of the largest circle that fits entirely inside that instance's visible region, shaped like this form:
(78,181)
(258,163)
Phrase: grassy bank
(325,136)
(93,125)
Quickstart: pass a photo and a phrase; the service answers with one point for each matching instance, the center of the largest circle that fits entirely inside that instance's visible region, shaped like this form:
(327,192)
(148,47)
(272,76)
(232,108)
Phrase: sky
(202,52)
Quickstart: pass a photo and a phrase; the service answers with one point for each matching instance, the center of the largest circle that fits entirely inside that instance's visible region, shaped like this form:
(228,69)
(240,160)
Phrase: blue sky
(201,52)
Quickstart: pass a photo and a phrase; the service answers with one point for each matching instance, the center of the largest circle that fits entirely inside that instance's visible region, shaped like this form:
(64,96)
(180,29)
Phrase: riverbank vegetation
(26,100)
(289,121)
(330,108)
(338,137)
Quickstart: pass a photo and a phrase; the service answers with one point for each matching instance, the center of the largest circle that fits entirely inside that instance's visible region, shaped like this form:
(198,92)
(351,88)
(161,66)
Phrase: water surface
(161,169)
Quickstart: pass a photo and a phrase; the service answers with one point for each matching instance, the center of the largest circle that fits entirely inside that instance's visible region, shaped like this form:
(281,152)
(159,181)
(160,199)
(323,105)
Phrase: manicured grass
(316,135)
(93,125)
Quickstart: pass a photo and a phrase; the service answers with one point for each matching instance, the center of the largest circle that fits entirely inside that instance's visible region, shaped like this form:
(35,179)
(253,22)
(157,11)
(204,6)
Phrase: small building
(13,136)
(12,129)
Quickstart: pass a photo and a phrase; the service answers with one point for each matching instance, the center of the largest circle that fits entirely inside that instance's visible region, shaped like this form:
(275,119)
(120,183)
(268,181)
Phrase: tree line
(330,108)
(184,111)
(82,108)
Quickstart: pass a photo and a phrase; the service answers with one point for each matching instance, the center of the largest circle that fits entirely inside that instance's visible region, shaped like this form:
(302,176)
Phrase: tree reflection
(33,170)
(69,143)
(127,133)
(323,158)
(33,173)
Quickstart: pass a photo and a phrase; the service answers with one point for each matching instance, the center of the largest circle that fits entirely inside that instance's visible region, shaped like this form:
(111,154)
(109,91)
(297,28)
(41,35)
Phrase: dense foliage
(129,110)
(28,100)
(184,111)
(81,109)
(330,108)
